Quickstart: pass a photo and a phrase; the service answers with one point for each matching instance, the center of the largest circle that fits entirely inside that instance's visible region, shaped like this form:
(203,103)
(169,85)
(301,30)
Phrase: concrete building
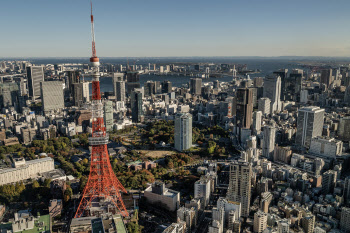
(308,223)
(228,207)
(28,134)
(264,105)
(309,125)
(244,107)
(35,75)
(283,226)
(189,216)
(108,115)
(179,227)
(166,87)
(345,219)
(328,181)
(24,170)
(218,214)
(158,194)
(119,90)
(183,131)
(137,107)
(9,95)
(272,90)
(240,185)
(268,143)
(196,86)
(52,95)
(260,221)
(265,200)
(257,122)
(326,77)
(328,147)
(202,189)
(81,93)
(282,154)
(344,128)
(215,227)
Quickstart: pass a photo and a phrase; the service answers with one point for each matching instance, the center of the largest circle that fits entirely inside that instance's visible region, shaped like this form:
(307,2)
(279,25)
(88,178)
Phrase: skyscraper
(283,73)
(244,107)
(73,77)
(268,144)
(52,95)
(295,84)
(108,115)
(119,90)
(133,81)
(35,76)
(183,131)
(272,90)
(326,77)
(309,125)
(264,106)
(150,88)
(9,93)
(196,86)
(240,185)
(136,107)
(345,219)
(257,122)
(81,93)
(166,87)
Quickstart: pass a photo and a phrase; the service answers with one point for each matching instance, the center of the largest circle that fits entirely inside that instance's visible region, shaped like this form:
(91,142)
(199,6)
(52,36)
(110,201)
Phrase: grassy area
(156,153)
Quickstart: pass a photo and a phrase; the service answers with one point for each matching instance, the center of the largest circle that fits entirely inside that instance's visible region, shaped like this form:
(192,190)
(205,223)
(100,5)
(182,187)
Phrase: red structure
(102,183)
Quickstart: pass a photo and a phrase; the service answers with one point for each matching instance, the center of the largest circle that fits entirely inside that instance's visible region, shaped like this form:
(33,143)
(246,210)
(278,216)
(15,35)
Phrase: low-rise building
(157,193)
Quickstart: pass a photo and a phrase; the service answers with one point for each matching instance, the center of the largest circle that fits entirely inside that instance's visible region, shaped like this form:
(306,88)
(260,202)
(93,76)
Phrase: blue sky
(61,28)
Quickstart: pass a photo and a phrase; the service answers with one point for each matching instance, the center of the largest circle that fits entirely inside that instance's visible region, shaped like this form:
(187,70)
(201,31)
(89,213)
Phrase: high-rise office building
(119,90)
(35,75)
(73,77)
(244,107)
(183,131)
(344,128)
(52,95)
(240,185)
(166,87)
(196,86)
(187,215)
(257,115)
(328,181)
(295,84)
(133,81)
(9,94)
(81,93)
(264,105)
(272,90)
(202,190)
(150,88)
(326,77)
(345,219)
(260,221)
(309,124)
(108,115)
(283,73)
(346,193)
(137,107)
(268,143)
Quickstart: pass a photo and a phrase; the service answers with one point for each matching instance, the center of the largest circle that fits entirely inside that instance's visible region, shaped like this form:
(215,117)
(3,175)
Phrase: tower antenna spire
(102,186)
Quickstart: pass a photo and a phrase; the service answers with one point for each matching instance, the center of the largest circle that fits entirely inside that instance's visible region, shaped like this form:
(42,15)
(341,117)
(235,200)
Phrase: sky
(165,28)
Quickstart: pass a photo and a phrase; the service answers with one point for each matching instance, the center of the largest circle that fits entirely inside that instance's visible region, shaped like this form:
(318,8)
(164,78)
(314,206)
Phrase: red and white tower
(102,183)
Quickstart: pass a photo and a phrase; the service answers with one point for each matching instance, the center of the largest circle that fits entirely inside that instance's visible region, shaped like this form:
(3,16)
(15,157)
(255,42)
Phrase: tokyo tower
(102,183)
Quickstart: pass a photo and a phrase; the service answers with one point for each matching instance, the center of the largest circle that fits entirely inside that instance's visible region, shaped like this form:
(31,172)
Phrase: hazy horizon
(178,29)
